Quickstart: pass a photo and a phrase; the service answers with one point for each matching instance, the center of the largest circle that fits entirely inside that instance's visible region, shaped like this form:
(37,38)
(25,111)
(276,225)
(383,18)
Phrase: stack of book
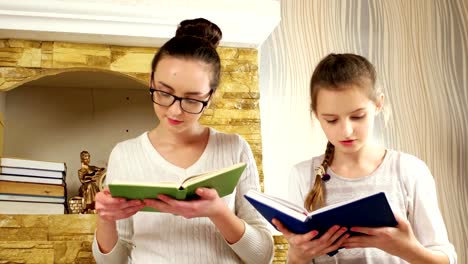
(32,186)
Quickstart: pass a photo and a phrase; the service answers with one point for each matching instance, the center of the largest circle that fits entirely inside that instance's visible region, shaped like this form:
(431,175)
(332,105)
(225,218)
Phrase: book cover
(31,198)
(369,211)
(223,180)
(9,187)
(9,207)
(17,178)
(32,164)
(33,172)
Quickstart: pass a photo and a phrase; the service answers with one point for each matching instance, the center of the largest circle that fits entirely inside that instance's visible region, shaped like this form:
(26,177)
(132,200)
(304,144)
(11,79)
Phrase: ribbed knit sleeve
(122,249)
(256,245)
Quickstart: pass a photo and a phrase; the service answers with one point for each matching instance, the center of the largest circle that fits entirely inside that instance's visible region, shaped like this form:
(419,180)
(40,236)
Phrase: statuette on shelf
(91,178)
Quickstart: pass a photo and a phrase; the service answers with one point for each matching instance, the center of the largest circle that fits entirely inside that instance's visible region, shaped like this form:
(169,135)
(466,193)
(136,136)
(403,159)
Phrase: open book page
(207,175)
(332,206)
(288,204)
(284,206)
(147,184)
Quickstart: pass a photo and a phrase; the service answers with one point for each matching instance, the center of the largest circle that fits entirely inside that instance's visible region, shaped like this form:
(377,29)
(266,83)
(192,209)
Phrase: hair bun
(200,28)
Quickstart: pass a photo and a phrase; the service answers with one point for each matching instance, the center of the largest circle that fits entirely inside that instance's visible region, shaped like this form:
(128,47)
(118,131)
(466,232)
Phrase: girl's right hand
(112,209)
(302,249)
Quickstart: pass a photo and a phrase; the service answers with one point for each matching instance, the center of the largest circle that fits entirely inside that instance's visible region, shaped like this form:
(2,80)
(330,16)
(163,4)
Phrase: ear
(380,103)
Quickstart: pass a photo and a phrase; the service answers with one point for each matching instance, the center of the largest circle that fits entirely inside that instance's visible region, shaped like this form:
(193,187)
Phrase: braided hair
(316,196)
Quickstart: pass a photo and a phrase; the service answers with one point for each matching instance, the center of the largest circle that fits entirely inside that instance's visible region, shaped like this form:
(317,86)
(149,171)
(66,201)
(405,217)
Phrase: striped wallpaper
(420,50)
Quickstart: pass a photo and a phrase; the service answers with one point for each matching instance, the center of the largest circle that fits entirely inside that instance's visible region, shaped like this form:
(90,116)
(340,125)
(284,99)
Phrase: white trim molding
(245,23)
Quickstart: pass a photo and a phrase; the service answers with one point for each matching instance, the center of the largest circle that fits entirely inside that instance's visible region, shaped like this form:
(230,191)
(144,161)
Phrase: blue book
(370,211)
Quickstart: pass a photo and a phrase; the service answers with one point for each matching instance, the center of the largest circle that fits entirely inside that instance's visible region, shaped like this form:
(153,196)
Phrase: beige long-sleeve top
(410,189)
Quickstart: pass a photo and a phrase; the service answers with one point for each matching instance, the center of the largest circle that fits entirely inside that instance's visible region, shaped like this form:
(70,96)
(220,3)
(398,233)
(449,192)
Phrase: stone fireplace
(75,77)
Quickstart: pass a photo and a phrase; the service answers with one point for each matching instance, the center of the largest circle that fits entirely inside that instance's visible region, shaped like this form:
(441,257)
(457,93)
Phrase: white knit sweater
(164,238)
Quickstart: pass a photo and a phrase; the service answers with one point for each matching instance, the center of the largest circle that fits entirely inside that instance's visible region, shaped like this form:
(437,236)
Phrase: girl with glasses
(185,74)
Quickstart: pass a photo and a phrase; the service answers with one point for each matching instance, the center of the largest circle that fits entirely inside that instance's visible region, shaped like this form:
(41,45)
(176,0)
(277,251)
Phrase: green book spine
(181,194)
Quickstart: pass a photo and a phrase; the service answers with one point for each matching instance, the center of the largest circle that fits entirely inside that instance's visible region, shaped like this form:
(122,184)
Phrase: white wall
(420,50)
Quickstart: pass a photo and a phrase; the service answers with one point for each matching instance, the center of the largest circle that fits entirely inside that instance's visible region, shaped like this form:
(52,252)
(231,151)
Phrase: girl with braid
(345,100)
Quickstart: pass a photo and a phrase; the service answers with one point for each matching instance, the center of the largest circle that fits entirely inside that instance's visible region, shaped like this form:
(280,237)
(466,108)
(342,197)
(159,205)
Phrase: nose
(175,108)
(347,128)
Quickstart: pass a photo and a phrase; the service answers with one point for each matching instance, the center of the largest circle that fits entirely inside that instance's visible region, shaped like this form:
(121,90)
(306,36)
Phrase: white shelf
(245,23)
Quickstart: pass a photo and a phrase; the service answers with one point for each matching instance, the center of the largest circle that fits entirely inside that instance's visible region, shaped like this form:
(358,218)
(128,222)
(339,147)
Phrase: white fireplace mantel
(245,23)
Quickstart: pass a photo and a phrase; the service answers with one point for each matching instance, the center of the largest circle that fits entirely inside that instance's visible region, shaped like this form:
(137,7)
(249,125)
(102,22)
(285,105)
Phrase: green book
(224,181)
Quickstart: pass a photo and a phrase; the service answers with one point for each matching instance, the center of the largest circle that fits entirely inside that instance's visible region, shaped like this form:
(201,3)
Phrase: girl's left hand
(208,205)
(398,241)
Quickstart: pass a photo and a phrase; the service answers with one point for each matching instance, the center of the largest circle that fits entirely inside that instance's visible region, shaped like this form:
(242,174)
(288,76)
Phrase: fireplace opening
(55,117)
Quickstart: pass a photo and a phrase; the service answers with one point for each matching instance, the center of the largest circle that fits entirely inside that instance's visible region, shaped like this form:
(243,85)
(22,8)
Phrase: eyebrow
(357,110)
(185,94)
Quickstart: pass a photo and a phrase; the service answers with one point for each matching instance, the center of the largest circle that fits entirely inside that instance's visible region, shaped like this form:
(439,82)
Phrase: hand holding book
(370,211)
(111,209)
(304,247)
(207,204)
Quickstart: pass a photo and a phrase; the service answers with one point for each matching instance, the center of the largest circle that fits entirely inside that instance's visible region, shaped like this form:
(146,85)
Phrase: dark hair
(200,28)
(195,39)
(337,72)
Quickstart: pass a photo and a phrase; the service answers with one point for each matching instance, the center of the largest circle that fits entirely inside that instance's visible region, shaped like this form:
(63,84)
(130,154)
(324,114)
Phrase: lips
(347,142)
(174,122)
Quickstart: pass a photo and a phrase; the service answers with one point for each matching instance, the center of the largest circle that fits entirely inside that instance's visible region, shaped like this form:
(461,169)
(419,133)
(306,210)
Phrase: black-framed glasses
(189,105)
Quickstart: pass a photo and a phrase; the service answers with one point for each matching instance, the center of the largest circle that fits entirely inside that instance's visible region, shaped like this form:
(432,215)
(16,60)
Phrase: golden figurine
(91,178)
